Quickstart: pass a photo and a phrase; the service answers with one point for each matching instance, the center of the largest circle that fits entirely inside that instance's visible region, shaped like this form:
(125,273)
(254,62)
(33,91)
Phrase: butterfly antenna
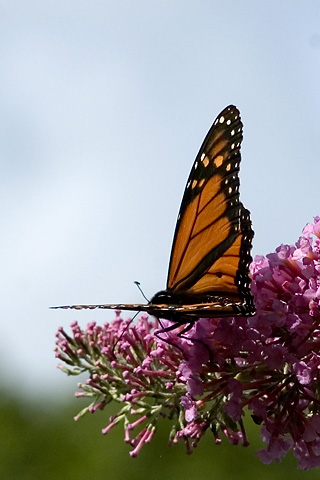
(141,291)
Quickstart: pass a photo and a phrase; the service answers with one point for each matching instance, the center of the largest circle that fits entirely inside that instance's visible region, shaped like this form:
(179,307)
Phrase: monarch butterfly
(211,252)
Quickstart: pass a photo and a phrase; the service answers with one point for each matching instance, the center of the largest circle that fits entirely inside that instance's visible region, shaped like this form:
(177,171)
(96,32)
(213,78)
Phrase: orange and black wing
(210,258)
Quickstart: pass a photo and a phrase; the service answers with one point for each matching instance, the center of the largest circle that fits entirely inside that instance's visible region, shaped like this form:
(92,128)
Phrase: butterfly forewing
(210,214)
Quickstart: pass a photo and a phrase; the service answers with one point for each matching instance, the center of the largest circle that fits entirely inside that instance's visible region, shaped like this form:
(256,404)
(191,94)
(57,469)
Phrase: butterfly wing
(210,257)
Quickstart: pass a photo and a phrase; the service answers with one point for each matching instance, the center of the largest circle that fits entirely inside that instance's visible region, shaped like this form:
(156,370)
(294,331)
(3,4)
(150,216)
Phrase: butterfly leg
(174,326)
(123,332)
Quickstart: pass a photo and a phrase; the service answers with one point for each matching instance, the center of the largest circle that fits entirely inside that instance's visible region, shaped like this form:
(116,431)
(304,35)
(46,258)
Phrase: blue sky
(103,107)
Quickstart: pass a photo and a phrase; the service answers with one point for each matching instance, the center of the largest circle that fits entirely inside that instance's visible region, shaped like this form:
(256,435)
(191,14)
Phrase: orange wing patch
(220,277)
(195,231)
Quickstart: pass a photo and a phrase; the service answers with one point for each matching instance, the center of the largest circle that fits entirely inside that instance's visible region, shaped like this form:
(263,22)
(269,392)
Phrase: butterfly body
(211,252)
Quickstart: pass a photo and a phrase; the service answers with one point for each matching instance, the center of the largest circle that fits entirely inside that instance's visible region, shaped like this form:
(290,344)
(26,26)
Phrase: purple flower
(303,372)
(204,379)
(189,405)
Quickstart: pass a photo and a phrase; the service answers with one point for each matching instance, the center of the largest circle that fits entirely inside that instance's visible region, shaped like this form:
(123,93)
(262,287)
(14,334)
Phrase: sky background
(103,107)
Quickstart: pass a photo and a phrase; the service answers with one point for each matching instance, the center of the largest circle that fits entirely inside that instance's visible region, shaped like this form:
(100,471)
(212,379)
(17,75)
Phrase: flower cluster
(204,378)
